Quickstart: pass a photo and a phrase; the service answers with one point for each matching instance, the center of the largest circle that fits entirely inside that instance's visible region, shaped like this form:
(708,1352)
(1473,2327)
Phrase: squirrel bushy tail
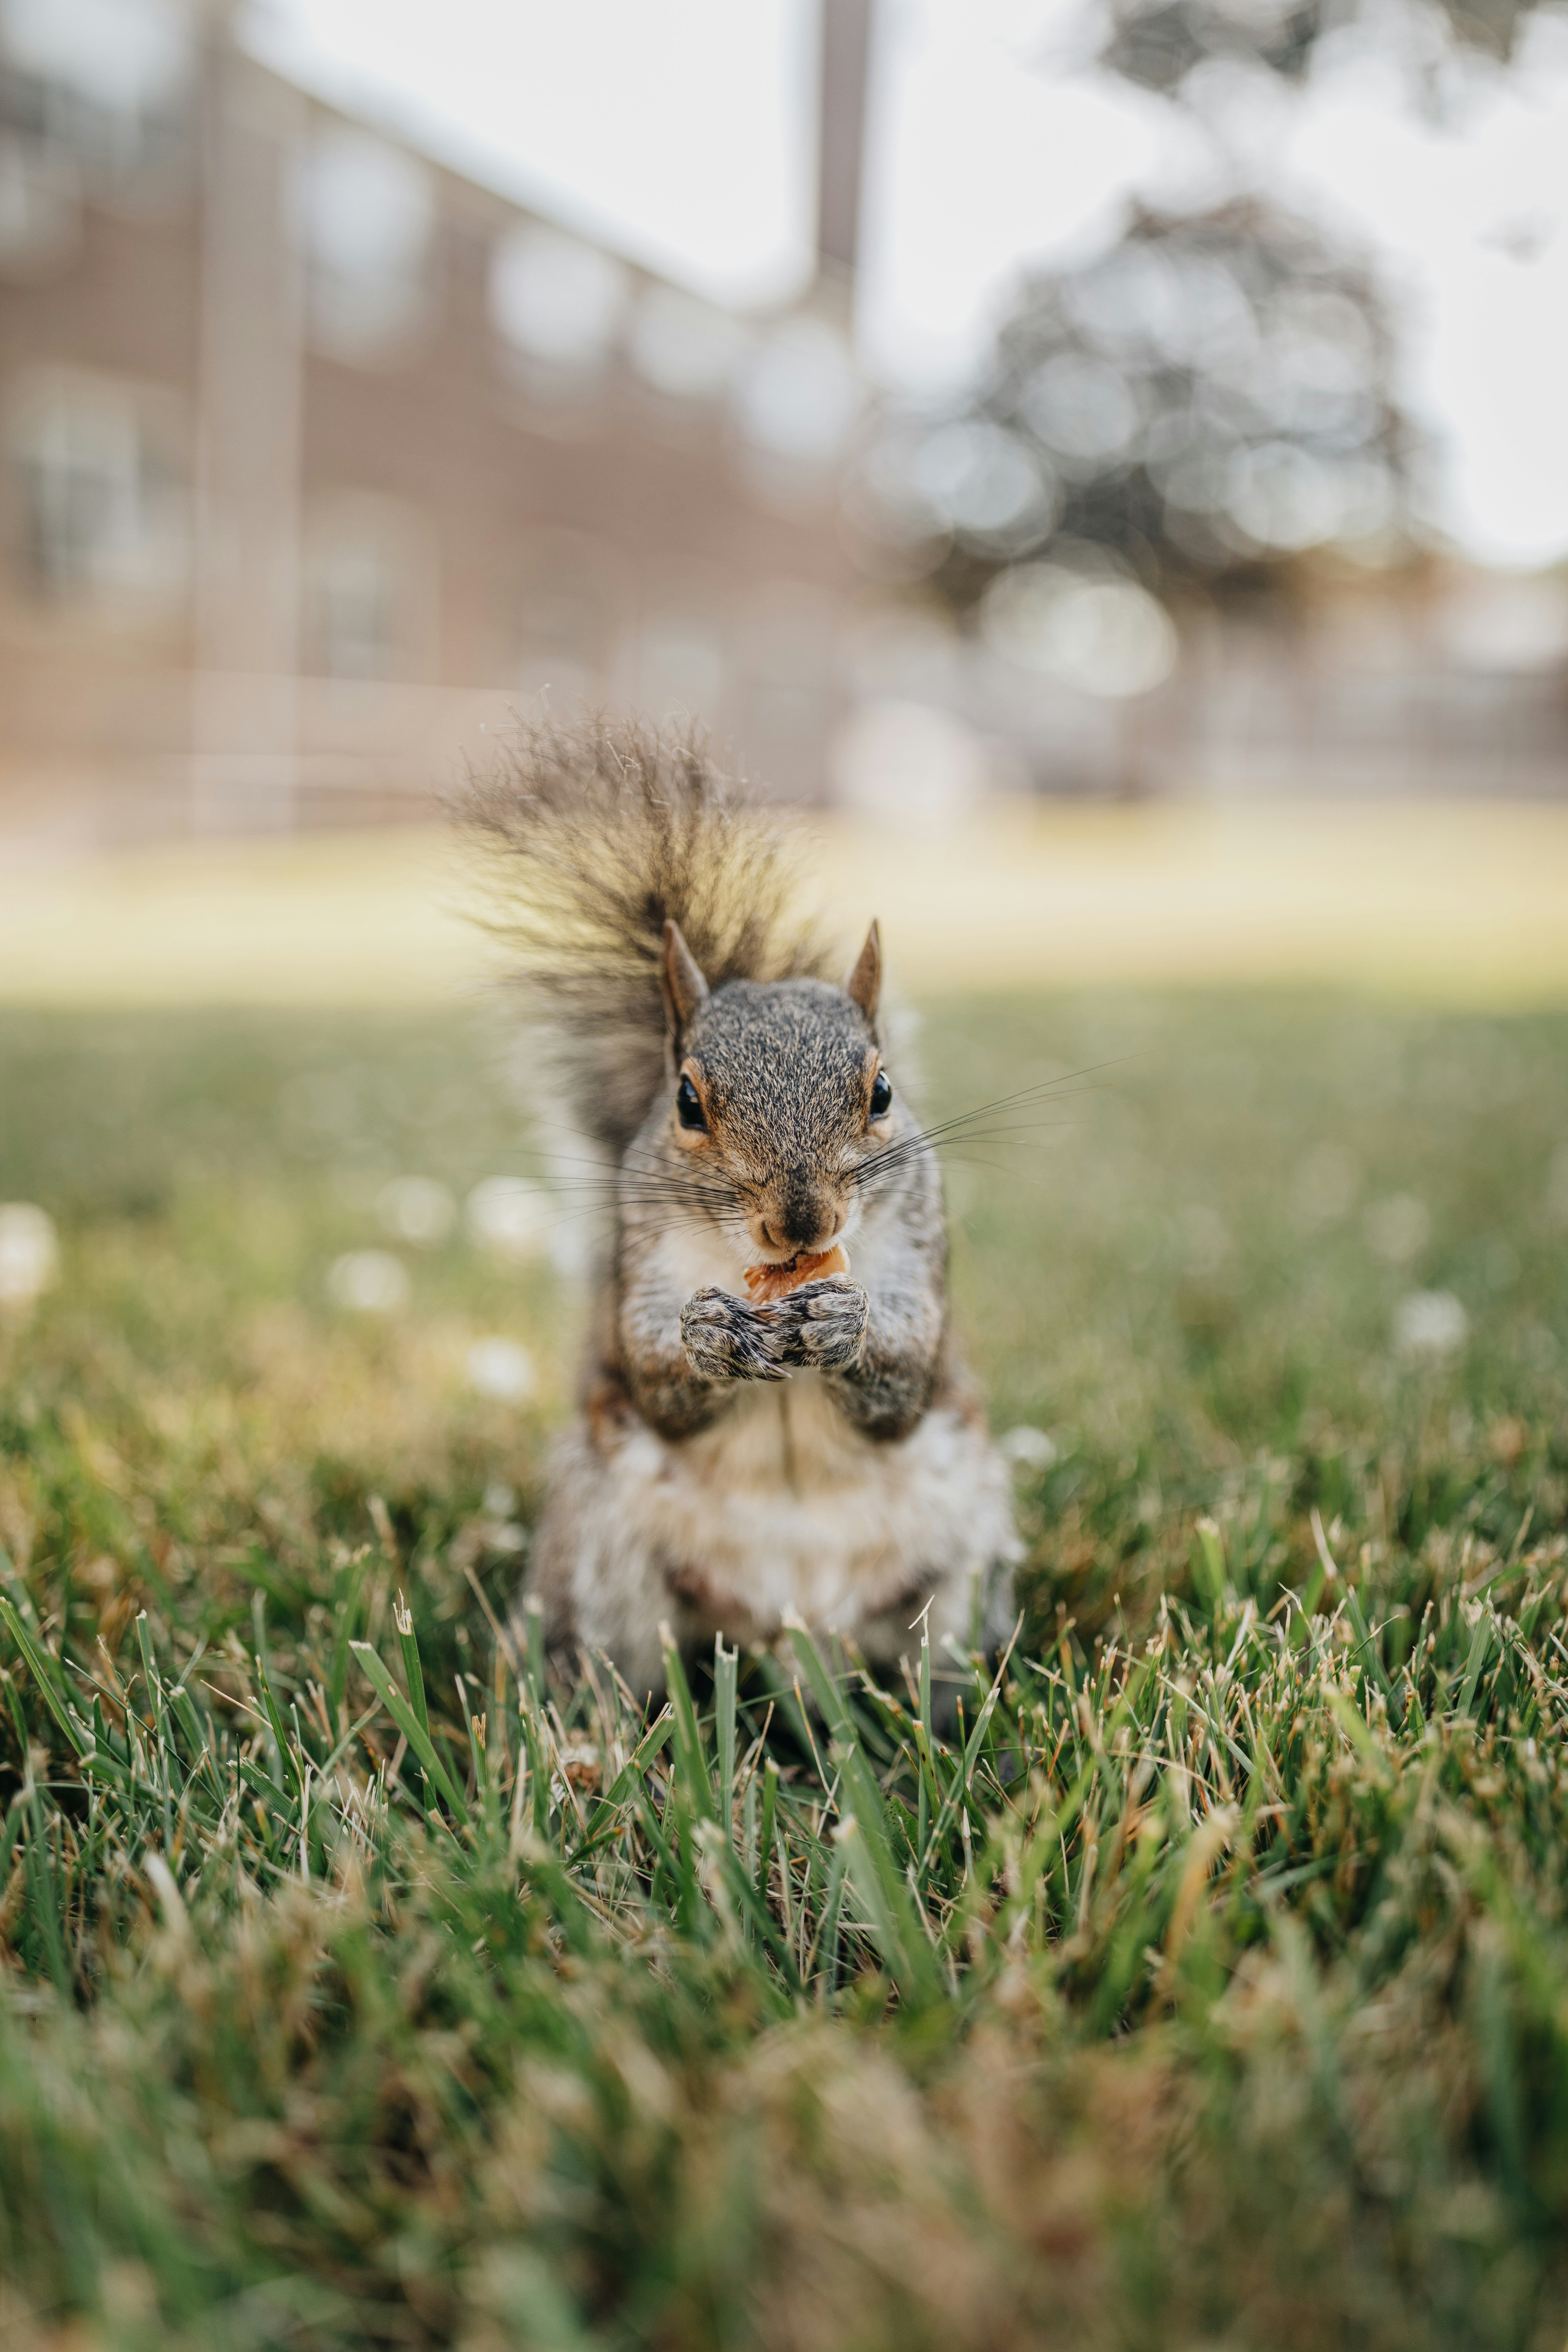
(593,835)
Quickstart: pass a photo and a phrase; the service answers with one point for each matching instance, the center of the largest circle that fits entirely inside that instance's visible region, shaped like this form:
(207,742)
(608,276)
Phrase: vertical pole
(246,632)
(845,72)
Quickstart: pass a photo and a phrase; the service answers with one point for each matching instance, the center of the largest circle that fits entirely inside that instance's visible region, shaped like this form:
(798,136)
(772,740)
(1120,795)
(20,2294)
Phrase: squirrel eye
(688,1106)
(882,1094)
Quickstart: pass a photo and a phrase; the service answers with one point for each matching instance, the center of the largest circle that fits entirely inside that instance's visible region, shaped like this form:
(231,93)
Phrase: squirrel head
(778,1095)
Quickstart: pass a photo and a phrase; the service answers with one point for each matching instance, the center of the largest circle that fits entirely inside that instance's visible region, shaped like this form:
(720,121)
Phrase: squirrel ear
(864,985)
(681,981)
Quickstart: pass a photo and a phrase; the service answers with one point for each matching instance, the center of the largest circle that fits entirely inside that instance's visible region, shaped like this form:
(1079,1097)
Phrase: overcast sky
(683,130)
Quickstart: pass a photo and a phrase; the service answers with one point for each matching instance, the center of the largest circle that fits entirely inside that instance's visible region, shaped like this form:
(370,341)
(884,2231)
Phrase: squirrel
(742,1459)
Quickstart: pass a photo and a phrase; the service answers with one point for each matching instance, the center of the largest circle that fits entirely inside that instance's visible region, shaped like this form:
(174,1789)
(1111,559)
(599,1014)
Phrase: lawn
(1208,1989)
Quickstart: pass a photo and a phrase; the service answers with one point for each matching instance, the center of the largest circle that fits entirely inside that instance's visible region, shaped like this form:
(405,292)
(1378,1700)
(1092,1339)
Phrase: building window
(367,220)
(370,589)
(40,209)
(354,614)
(557,305)
(94,99)
(101,506)
(100,88)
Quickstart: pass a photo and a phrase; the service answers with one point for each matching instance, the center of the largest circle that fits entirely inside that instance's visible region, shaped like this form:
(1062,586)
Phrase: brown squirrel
(740,1457)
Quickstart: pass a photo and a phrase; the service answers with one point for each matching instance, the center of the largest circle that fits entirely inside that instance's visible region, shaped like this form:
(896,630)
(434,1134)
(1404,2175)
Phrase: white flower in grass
(1430,1323)
(510,1216)
(368,1281)
(502,1368)
(417,1208)
(1027,1448)
(29,1252)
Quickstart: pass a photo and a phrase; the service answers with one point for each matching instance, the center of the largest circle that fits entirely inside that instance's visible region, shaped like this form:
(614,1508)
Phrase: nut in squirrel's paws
(822,1325)
(765,1283)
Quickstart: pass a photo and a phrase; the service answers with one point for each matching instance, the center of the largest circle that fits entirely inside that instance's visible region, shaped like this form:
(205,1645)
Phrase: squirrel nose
(800,1223)
(789,1231)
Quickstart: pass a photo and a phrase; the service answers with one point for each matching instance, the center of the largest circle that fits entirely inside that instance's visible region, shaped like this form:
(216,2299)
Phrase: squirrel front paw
(725,1340)
(823,1324)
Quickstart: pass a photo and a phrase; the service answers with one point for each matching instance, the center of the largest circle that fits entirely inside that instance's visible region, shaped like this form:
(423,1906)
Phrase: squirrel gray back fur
(593,835)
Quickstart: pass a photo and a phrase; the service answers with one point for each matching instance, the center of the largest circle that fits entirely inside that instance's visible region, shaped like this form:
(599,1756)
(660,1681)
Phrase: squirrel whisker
(896,1155)
(1060,1089)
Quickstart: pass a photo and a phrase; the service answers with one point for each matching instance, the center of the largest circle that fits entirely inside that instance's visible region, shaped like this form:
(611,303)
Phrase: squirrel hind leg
(593,1573)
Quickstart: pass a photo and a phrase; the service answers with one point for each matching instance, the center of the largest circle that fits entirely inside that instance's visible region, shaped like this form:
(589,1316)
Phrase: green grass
(1209,1990)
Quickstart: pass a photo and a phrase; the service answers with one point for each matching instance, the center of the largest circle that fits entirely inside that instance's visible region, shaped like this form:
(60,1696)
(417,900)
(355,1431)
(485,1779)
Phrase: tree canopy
(1193,407)
(1157,44)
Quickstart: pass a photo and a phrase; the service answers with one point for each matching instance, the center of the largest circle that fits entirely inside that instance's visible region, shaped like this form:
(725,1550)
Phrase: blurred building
(317,458)
(1453,683)
(314,455)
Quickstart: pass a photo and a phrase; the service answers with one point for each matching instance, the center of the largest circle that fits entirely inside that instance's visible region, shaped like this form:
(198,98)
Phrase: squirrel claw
(725,1340)
(820,1327)
(823,1324)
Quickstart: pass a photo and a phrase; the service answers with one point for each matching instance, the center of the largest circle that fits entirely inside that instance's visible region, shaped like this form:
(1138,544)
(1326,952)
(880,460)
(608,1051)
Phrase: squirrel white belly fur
(780,1510)
(736,1464)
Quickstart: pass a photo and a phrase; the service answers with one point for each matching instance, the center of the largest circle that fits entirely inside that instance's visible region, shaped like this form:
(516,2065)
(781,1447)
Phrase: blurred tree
(1157,44)
(1191,410)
